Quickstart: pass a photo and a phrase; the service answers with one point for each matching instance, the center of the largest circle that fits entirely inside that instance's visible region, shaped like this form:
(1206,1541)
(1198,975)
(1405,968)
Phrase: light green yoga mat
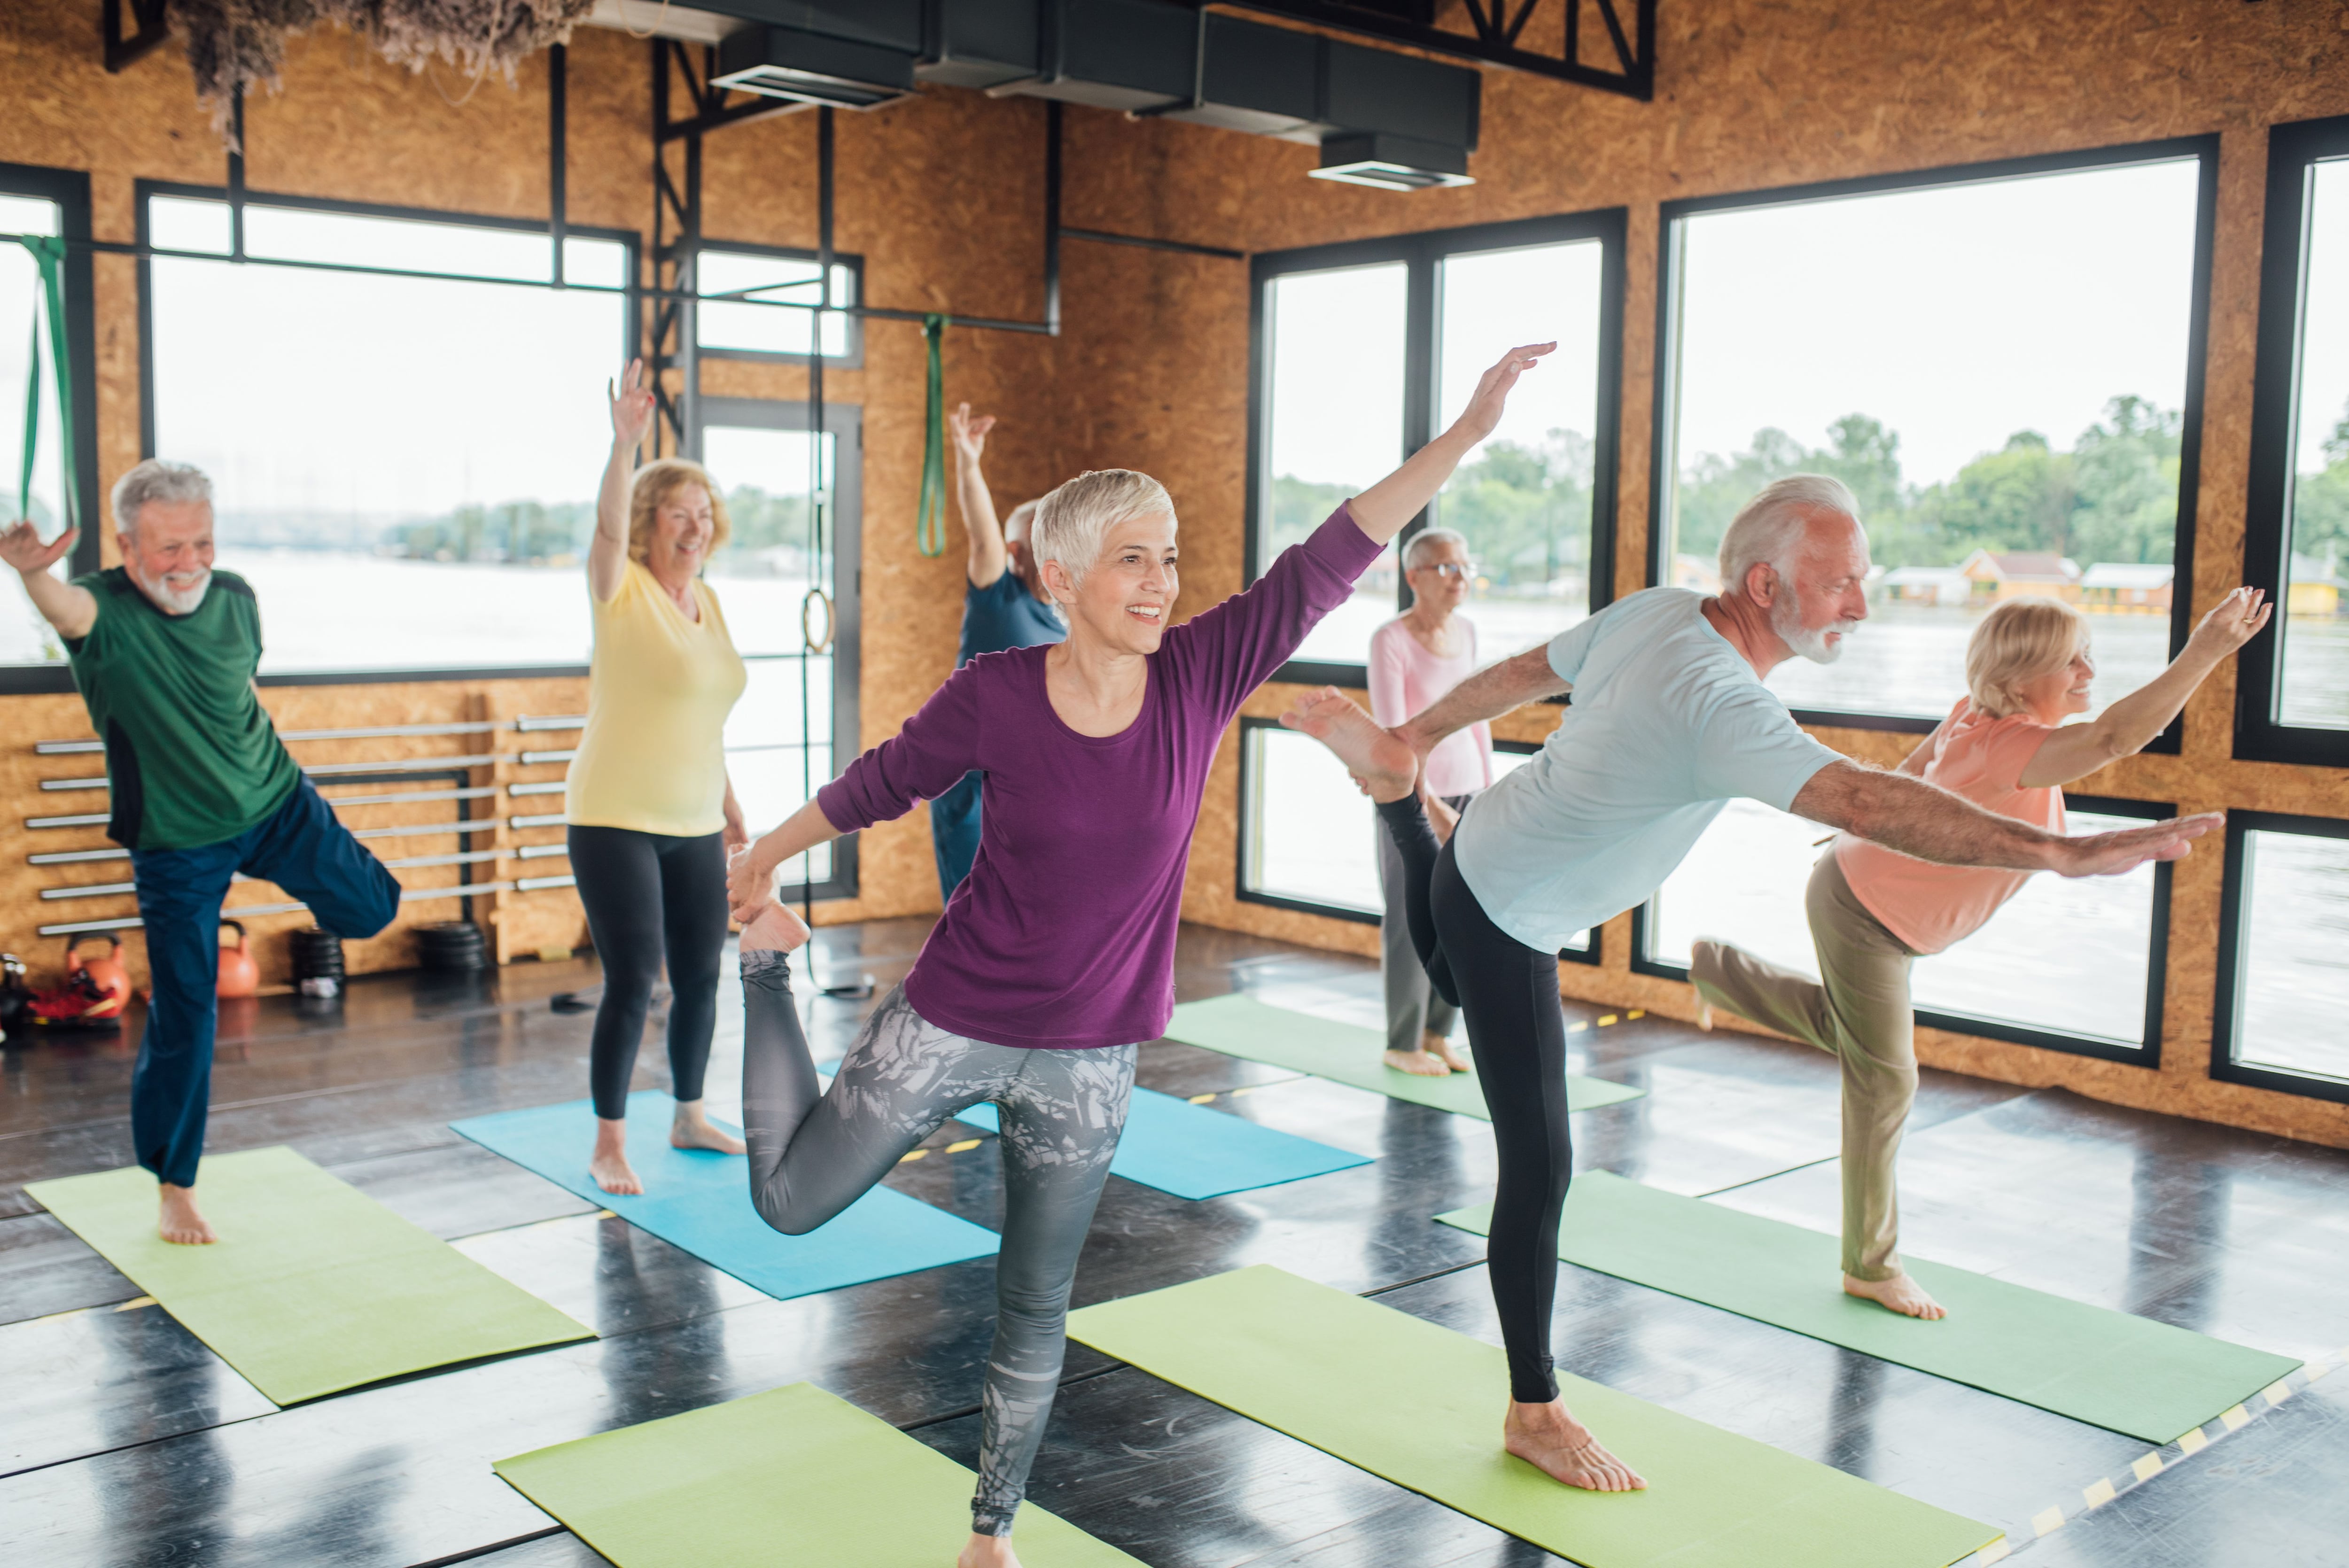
(313,1287)
(789,1477)
(2107,1368)
(1421,1406)
(1347,1053)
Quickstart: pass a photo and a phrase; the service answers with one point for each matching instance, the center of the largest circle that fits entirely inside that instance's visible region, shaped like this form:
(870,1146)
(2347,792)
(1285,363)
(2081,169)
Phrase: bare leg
(1549,1439)
(692,1130)
(181,1222)
(1384,764)
(609,1164)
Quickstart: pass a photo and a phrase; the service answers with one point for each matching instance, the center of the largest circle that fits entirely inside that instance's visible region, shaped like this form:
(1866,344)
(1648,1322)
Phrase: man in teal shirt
(164,649)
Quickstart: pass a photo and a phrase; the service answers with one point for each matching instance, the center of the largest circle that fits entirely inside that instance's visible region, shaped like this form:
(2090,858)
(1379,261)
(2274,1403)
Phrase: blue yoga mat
(1194,1152)
(699,1200)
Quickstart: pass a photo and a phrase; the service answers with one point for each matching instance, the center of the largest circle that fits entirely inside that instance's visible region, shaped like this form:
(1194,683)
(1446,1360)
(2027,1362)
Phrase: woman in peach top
(2005,747)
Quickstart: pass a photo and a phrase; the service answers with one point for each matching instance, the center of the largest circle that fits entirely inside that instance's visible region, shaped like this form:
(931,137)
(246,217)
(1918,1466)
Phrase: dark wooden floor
(124,1442)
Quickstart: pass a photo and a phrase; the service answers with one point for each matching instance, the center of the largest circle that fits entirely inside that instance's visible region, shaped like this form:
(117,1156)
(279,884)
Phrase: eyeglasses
(1462,569)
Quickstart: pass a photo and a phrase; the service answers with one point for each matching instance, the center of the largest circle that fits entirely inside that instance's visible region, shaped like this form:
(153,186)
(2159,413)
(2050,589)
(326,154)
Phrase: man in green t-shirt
(164,649)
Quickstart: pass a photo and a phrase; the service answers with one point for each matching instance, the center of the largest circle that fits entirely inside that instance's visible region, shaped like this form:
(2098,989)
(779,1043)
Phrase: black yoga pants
(1508,993)
(651,896)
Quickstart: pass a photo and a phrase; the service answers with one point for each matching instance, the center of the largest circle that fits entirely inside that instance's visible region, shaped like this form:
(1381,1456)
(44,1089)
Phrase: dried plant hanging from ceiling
(236,45)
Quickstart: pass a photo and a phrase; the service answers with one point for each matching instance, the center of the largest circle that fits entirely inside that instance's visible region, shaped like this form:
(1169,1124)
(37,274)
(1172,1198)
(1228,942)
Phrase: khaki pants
(1858,1012)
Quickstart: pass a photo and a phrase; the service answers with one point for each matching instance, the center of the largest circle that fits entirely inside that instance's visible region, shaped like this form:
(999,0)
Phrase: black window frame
(2226,1013)
(1664,456)
(69,190)
(854,263)
(632,328)
(1420,252)
(2294,150)
(2157,968)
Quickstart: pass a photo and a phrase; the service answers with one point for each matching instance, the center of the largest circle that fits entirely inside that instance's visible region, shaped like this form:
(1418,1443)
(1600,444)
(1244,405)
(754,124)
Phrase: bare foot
(1899,1293)
(691,1129)
(1383,762)
(609,1164)
(988,1551)
(1551,1441)
(778,929)
(1439,1048)
(181,1222)
(1703,1013)
(1419,1064)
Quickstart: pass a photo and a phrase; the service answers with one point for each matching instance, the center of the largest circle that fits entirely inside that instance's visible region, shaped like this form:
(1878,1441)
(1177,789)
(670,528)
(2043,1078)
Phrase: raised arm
(1382,510)
(987,559)
(72,611)
(1486,694)
(2129,726)
(632,415)
(1930,823)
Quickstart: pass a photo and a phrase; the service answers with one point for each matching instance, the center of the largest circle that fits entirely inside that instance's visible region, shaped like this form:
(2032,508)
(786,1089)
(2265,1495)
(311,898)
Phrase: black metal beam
(558,151)
(1180,247)
(1052,217)
(153,30)
(1494,39)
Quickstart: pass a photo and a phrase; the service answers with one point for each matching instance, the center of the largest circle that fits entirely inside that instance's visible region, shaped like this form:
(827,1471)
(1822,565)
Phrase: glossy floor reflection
(126,1442)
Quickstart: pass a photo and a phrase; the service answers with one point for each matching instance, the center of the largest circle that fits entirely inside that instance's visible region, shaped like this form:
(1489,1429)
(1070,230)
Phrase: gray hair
(1414,555)
(156,480)
(1073,520)
(1768,529)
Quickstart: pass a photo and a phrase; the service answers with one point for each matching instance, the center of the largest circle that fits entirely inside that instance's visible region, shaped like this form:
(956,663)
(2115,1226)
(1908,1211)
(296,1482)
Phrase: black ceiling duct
(848,53)
(1391,163)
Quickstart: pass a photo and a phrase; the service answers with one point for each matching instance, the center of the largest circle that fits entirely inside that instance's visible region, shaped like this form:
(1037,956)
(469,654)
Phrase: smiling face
(169,553)
(1434,586)
(683,525)
(2060,692)
(1123,602)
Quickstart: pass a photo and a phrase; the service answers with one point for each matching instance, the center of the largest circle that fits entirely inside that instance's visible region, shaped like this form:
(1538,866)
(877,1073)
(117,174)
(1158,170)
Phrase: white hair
(1768,528)
(156,480)
(1072,521)
(1414,555)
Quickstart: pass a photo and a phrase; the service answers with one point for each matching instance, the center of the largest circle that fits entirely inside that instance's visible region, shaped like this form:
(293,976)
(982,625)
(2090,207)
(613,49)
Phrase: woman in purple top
(1056,953)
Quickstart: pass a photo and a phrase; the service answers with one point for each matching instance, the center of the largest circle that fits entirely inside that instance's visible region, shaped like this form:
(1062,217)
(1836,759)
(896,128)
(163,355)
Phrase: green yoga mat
(789,1477)
(1347,1053)
(313,1287)
(2107,1368)
(1421,1406)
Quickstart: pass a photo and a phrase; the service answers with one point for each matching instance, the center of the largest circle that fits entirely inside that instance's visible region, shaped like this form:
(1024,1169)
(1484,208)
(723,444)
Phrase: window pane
(2068,955)
(2313,686)
(764,574)
(2292,975)
(25,637)
(1308,828)
(770,783)
(1996,369)
(760,328)
(1334,426)
(1523,498)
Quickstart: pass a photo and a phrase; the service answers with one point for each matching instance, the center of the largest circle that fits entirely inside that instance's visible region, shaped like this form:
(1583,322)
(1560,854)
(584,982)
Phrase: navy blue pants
(954,831)
(302,848)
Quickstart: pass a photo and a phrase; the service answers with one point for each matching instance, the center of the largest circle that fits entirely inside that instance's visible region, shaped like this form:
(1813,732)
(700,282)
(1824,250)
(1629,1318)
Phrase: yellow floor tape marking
(2047,1520)
(966,1143)
(1605,1019)
(1997,1550)
(1637,1013)
(2277,1393)
(1576,1028)
(135,1303)
(2098,1495)
(2193,1443)
(2147,1468)
(1249,1090)
(912,1155)
(1201,1099)
(605,1214)
(2235,1418)
(2316,1372)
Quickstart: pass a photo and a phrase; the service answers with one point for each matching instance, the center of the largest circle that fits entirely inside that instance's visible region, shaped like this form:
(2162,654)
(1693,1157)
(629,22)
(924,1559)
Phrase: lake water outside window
(1999,371)
(2066,955)
(2313,685)
(2290,979)
(25,637)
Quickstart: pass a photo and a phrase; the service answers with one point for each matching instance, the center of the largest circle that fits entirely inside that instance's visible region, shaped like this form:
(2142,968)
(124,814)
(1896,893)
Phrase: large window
(2072,964)
(2283,987)
(739,284)
(1365,351)
(2293,690)
(53,203)
(2004,362)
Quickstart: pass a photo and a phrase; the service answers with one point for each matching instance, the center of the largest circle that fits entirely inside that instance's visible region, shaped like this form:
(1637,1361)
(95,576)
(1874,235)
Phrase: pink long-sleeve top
(1062,936)
(1405,679)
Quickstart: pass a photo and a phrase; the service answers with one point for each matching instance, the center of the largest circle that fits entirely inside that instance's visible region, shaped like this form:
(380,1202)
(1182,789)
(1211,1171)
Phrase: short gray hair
(156,480)
(1767,529)
(1427,539)
(1071,522)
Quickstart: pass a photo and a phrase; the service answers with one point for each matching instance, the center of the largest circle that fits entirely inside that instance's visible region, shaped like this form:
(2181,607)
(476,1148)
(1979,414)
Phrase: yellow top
(653,756)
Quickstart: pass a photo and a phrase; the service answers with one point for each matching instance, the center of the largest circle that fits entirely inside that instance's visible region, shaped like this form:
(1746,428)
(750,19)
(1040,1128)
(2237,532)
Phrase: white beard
(178,601)
(1787,620)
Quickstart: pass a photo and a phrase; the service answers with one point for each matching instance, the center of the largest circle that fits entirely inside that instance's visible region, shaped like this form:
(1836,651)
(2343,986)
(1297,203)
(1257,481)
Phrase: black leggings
(1508,993)
(650,895)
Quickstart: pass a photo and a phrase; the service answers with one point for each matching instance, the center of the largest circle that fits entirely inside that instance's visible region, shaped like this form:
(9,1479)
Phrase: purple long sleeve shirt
(1062,936)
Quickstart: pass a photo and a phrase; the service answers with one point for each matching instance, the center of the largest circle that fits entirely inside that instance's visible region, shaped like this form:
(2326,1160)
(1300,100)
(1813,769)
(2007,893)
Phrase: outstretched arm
(2128,726)
(988,557)
(632,415)
(1382,510)
(1486,694)
(1930,823)
(750,878)
(72,611)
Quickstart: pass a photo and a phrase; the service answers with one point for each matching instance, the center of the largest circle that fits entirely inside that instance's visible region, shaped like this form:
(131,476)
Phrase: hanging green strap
(49,255)
(32,422)
(930,512)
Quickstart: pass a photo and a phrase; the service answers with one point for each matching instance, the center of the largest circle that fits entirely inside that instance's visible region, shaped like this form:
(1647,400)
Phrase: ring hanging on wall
(817,596)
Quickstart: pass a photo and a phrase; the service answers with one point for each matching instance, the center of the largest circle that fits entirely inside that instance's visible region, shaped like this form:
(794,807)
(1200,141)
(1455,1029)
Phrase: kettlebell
(239,975)
(107,974)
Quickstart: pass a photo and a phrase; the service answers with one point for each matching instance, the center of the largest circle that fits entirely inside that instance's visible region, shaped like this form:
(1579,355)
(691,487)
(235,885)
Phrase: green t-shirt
(190,757)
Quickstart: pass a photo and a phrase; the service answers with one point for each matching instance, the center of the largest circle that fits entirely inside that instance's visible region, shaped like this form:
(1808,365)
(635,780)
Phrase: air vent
(1391,163)
(811,68)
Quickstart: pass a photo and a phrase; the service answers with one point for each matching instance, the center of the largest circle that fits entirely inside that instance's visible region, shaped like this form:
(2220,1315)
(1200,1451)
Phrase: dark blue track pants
(954,831)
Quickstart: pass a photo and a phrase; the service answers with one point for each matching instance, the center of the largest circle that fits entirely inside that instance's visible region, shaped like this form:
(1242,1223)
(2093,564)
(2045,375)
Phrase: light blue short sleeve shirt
(1668,725)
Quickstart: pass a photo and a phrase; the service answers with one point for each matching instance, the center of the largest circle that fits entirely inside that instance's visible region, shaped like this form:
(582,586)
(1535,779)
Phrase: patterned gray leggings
(812,1154)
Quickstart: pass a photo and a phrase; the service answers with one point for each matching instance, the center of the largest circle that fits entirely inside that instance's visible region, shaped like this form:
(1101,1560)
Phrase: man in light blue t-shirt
(1670,722)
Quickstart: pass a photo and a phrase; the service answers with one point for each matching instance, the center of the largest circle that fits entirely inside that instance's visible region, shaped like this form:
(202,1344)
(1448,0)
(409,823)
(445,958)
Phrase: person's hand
(737,835)
(2233,621)
(2110,854)
(748,890)
(969,434)
(1492,394)
(632,408)
(21,547)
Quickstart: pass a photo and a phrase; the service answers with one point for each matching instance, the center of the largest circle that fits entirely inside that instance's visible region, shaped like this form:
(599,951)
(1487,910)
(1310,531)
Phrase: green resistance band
(49,255)
(930,512)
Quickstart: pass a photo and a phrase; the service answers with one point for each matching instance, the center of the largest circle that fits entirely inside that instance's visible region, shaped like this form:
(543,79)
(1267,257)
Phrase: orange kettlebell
(107,974)
(239,975)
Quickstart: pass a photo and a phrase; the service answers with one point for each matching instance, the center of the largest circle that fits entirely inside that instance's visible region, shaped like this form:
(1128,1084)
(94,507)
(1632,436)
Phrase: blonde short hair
(2018,642)
(652,488)
(1073,520)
